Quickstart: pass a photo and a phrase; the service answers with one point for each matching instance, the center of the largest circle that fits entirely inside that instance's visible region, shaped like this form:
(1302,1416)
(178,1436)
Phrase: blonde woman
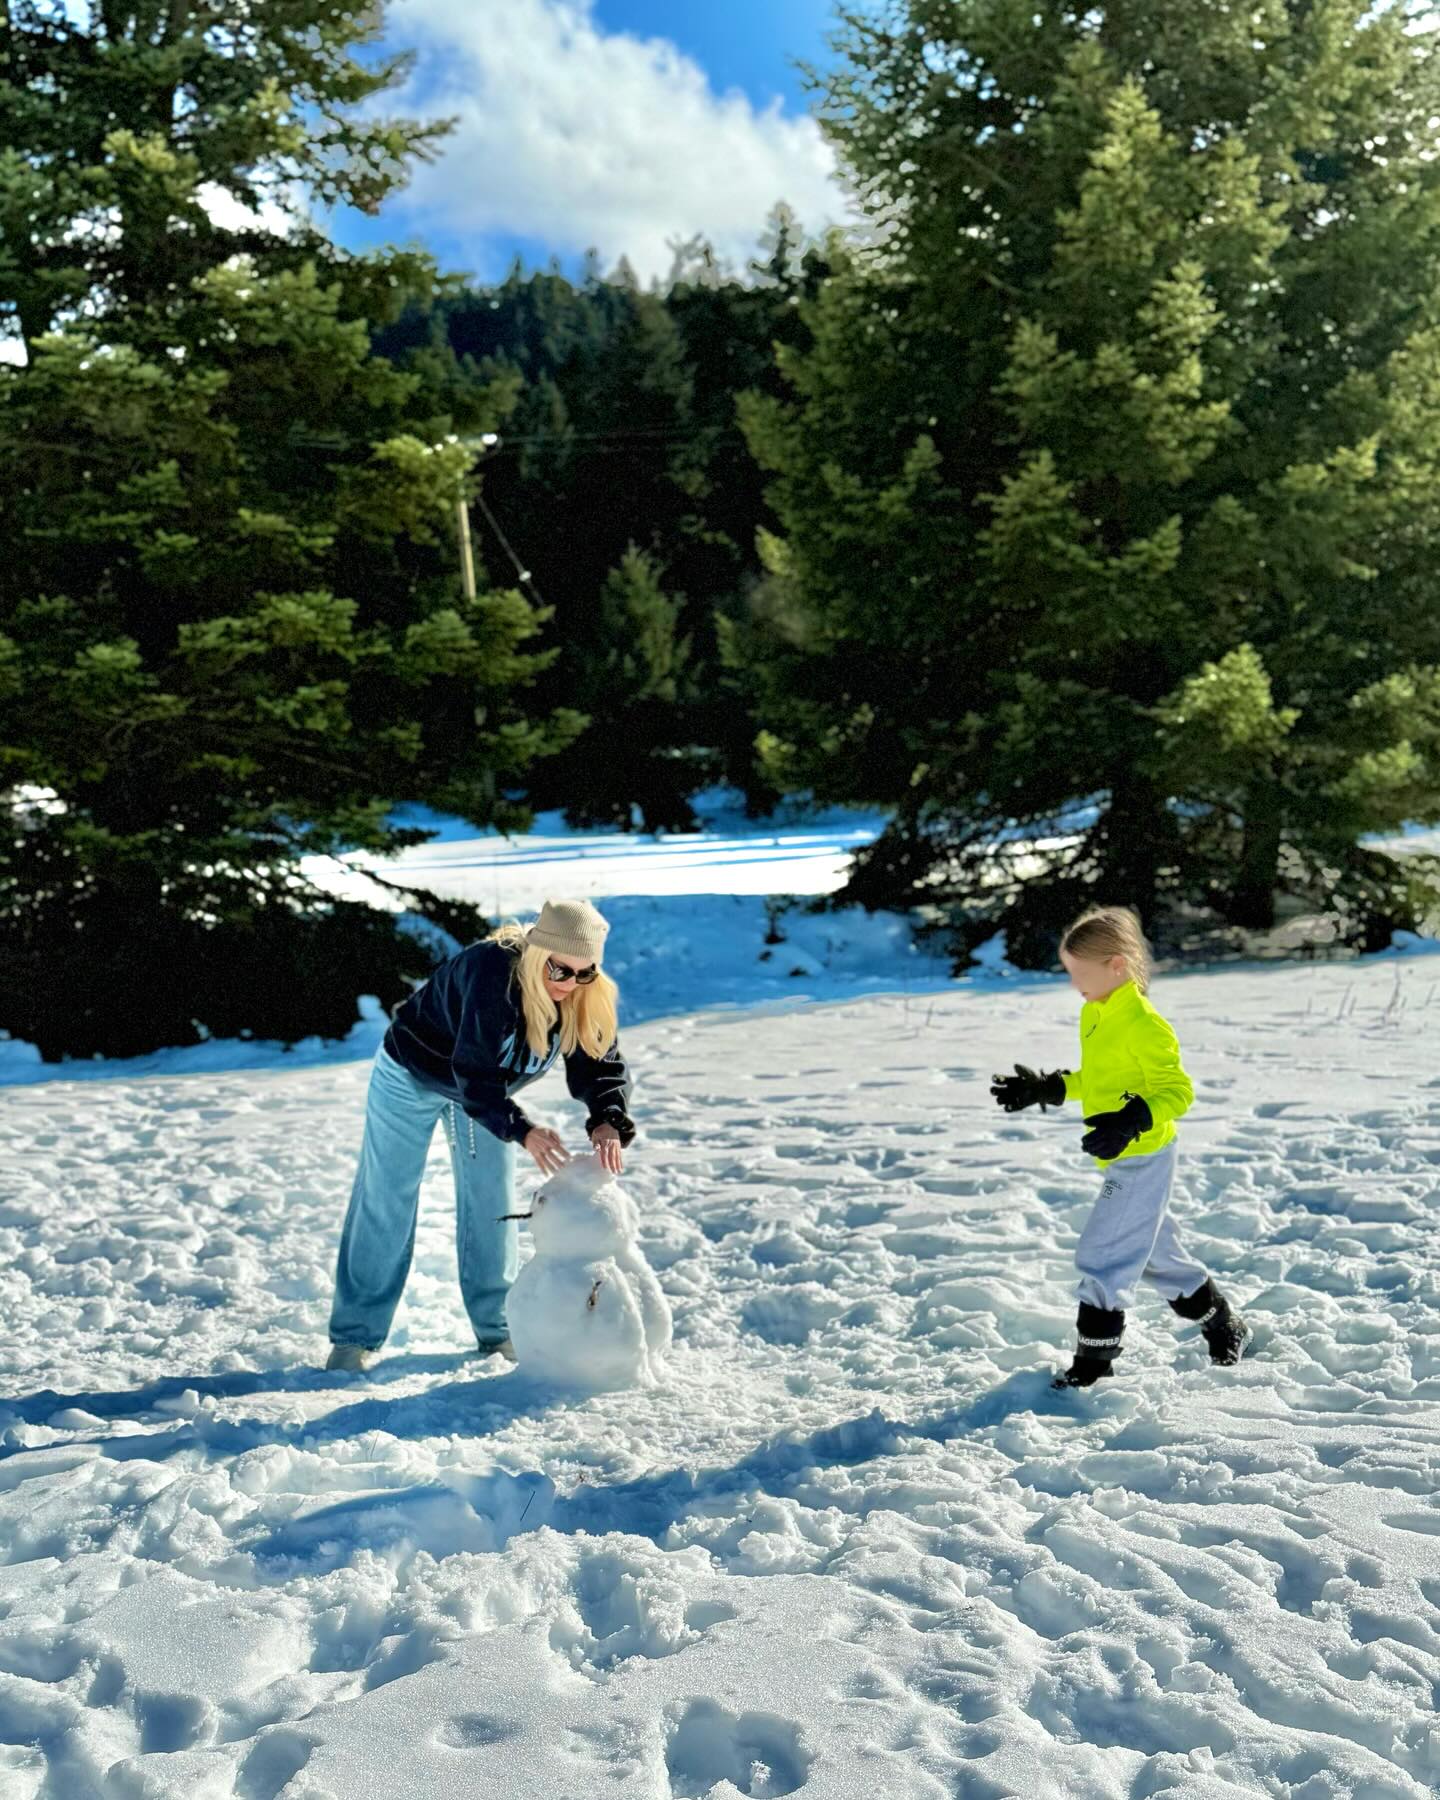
(485,1025)
(1132,1087)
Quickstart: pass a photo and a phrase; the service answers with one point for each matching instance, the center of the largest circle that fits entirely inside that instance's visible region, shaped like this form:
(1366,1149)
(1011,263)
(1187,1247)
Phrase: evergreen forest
(1079,509)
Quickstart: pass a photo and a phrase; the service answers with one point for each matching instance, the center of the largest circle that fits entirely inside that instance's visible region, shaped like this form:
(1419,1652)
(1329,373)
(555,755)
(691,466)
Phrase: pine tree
(635,680)
(731,334)
(231,627)
(1115,444)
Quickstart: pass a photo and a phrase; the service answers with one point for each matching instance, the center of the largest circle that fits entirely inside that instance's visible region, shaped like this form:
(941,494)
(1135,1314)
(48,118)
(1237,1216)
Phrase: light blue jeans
(378,1239)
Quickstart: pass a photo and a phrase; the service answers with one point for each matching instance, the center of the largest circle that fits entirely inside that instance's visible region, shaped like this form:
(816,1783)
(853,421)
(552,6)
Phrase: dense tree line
(1081,510)
(230,627)
(625,488)
(1092,514)
(1109,478)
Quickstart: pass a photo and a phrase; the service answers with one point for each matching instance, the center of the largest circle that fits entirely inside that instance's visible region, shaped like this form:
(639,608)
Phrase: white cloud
(579,137)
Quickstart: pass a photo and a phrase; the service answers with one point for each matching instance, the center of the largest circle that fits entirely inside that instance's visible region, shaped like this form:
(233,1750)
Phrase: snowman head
(582,1212)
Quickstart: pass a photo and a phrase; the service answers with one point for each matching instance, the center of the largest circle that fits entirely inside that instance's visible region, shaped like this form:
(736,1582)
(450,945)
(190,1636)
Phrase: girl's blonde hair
(589,1016)
(1106,931)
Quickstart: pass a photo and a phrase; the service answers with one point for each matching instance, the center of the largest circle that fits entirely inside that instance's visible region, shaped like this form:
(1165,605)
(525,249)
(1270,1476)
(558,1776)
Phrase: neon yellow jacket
(1127,1048)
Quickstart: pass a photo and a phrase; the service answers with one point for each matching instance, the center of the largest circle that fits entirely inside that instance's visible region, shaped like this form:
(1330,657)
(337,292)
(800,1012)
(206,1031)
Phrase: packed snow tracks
(853,1546)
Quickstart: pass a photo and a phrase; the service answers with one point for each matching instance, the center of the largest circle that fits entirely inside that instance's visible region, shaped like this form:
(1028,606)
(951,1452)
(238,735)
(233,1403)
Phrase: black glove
(1026,1088)
(1110,1132)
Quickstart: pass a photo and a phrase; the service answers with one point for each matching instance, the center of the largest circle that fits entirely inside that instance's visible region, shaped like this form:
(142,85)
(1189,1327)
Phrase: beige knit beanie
(570,927)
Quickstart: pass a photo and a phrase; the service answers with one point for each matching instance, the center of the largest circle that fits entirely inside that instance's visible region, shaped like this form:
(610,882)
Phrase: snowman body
(586,1310)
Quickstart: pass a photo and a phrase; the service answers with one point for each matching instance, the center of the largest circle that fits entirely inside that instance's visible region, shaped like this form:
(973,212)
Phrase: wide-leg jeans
(378,1239)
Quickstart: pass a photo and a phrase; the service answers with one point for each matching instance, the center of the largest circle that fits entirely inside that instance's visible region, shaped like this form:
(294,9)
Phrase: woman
(487,1023)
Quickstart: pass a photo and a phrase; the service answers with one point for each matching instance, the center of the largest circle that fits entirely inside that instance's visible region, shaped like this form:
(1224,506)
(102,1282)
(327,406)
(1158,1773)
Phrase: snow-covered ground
(716,918)
(854,1546)
(795,852)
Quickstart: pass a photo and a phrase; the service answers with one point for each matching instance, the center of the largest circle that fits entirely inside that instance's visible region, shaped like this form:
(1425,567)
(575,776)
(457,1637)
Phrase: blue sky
(622,124)
(750,44)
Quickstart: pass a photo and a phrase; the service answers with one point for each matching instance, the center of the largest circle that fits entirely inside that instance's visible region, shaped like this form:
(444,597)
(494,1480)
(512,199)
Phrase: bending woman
(487,1023)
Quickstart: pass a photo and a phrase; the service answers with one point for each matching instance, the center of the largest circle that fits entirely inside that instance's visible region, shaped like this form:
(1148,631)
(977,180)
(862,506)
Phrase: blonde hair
(589,1015)
(1106,931)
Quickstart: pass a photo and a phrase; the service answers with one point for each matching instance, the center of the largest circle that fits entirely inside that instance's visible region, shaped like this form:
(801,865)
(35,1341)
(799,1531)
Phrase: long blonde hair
(1111,931)
(589,1017)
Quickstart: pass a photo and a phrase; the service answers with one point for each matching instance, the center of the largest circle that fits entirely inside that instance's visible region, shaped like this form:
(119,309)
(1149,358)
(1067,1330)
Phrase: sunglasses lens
(581,977)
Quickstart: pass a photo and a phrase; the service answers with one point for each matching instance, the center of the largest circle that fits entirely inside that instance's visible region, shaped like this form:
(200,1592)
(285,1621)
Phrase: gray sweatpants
(1130,1234)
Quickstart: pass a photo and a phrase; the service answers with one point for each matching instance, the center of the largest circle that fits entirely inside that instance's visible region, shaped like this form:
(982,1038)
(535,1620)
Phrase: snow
(714,919)
(850,1543)
(794,852)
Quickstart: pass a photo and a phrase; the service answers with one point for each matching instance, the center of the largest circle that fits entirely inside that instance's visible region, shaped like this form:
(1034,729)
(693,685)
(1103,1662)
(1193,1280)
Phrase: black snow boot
(1226,1333)
(1098,1344)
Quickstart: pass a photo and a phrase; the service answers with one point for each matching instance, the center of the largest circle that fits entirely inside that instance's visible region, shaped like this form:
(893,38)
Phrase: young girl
(1132,1087)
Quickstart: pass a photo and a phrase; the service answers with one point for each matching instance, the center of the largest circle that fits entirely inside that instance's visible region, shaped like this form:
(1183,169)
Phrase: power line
(522,574)
(622,431)
(306,438)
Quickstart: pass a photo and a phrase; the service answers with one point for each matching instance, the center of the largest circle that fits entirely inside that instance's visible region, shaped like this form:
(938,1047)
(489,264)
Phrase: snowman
(586,1310)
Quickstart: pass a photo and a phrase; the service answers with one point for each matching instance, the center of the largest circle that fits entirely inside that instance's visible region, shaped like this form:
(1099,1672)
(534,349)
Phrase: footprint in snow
(759,1754)
(473,1731)
(866,1212)
(619,1607)
(1427,1524)
(272,1764)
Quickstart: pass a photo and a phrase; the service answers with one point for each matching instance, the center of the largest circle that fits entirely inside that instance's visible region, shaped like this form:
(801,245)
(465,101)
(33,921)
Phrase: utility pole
(487,441)
(467,555)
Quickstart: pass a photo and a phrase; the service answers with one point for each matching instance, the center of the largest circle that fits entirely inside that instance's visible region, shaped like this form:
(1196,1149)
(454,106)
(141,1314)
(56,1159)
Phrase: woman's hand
(547,1149)
(606,1140)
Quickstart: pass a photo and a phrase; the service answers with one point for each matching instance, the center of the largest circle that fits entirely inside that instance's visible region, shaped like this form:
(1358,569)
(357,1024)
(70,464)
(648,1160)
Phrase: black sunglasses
(582,977)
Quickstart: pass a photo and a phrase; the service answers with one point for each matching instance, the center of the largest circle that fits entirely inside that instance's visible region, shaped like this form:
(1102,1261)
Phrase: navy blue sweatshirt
(462,1033)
